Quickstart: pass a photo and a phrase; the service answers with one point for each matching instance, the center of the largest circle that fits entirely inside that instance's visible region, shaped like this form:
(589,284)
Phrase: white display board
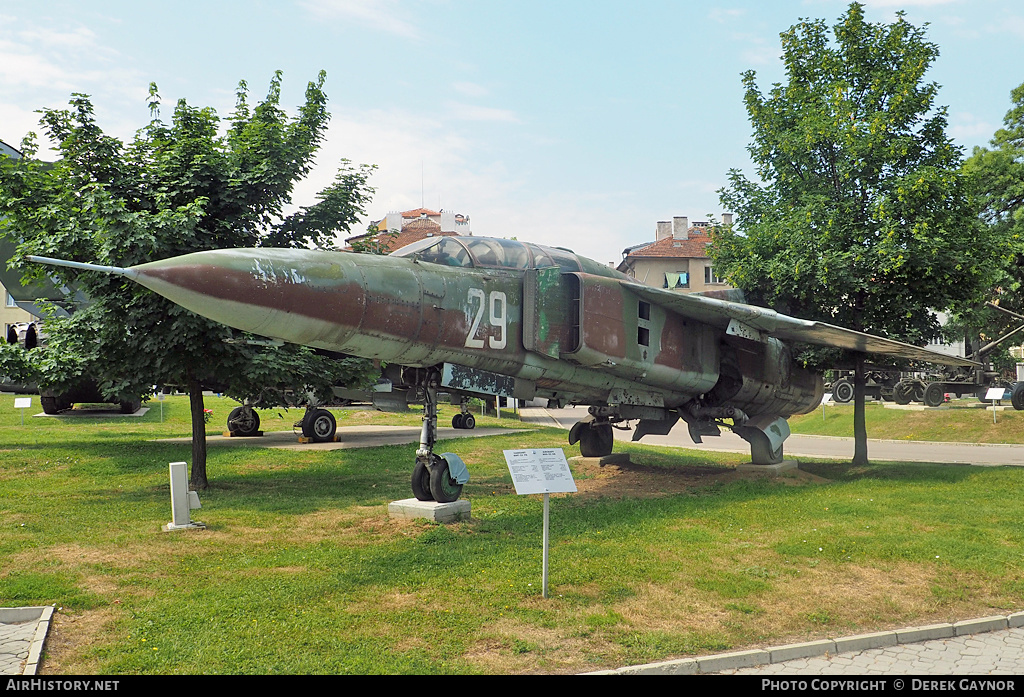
(22,402)
(995,393)
(540,471)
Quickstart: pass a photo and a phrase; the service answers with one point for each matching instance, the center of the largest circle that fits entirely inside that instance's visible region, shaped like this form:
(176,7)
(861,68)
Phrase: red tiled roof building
(677,259)
(401,228)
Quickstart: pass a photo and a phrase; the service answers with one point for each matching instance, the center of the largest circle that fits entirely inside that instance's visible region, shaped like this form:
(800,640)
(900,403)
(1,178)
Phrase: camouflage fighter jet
(501,317)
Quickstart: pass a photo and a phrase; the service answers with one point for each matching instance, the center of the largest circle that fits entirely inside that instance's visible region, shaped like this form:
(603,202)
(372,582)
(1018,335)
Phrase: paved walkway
(987,646)
(22,632)
(985,455)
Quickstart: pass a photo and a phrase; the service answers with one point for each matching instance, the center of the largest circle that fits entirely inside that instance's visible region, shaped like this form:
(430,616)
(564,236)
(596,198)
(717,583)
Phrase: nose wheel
(436,477)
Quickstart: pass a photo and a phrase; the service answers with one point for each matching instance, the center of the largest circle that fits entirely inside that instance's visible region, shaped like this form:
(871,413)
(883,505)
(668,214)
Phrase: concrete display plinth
(431,510)
(613,459)
(773,470)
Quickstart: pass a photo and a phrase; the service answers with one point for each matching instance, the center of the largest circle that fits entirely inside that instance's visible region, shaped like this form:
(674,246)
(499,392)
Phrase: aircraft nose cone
(284,294)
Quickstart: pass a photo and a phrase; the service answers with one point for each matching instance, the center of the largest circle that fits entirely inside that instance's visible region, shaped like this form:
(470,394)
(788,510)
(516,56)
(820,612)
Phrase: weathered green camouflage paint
(580,336)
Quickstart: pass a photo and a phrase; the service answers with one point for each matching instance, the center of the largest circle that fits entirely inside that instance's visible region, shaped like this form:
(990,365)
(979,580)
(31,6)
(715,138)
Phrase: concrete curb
(852,644)
(41,616)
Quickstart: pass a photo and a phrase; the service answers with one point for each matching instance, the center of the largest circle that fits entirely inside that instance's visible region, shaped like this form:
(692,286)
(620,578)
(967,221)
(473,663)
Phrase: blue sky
(568,123)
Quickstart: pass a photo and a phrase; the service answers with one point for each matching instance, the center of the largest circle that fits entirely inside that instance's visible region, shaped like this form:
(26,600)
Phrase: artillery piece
(931,389)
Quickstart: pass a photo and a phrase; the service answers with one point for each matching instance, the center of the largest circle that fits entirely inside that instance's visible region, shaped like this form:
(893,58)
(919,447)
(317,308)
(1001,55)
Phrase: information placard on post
(994,395)
(23,403)
(541,471)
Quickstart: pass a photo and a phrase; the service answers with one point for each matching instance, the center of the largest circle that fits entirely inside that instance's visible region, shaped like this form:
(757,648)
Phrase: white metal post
(544,579)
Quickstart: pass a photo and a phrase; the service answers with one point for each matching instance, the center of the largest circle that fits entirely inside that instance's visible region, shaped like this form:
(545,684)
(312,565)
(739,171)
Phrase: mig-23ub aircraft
(493,316)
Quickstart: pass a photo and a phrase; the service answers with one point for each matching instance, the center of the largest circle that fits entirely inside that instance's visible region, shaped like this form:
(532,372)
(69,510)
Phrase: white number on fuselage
(497,315)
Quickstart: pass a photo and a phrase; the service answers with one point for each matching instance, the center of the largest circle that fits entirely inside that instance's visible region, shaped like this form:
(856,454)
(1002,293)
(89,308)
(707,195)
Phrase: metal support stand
(544,573)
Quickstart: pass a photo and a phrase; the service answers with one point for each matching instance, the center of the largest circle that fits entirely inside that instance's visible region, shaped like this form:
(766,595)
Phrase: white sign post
(994,395)
(540,471)
(23,403)
(824,399)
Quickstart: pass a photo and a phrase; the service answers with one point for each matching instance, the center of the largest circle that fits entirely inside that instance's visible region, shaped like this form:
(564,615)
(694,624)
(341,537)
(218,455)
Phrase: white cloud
(386,15)
(41,67)
(435,162)
(967,128)
(471,112)
(1014,25)
(470,89)
(718,14)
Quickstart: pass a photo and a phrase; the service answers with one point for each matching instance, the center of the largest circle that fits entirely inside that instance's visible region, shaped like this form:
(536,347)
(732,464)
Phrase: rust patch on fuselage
(602,323)
(341,303)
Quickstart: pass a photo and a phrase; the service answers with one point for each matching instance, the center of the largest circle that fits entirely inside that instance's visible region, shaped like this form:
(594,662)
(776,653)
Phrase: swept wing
(739,318)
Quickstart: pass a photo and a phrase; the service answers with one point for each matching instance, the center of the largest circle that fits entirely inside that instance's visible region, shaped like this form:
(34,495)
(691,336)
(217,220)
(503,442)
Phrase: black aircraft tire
(443,488)
(319,424)
(596,441)
(842,391)
(469,422)
(241,424)
(458,421)
(130,406)
(51,405)
(1017,396)
(934,394)
(421,482)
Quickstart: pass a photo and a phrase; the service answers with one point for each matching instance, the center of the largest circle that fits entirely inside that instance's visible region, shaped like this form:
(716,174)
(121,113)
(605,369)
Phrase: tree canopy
(999,177)
(861,214)
(175,188)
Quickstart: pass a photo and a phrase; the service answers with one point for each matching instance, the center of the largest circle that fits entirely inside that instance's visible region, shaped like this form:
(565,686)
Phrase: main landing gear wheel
(319,424)
(443,488)
(130,406)
(421,482)
(464,421)
(243,422)
(596,440)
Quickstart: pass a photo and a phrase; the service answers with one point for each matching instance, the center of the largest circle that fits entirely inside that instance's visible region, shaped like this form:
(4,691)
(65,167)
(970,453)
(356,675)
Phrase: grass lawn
(301,570)
(964,421)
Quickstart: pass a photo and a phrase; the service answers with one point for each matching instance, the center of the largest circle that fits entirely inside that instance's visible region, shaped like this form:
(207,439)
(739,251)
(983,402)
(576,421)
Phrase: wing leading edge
(737,317)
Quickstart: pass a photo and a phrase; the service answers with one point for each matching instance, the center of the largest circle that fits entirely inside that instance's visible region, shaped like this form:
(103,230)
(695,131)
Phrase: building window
(710,277)
(10,300)
(677,280)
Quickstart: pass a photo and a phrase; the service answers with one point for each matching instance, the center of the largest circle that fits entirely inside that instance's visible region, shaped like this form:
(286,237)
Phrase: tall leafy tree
(176,188)
(999,178)
(861,214)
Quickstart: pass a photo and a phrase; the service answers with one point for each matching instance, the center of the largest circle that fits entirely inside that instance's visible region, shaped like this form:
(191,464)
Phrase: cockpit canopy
(488,252)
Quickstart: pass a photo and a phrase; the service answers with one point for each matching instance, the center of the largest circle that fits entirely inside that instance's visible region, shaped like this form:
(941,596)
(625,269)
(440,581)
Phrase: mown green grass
(963,422)
(301,570)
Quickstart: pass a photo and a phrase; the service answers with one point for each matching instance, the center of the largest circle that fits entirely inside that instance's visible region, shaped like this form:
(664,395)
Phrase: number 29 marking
(497,316)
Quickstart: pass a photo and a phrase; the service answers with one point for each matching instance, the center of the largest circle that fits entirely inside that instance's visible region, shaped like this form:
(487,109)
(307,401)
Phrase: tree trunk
(197,481)
(860,431)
